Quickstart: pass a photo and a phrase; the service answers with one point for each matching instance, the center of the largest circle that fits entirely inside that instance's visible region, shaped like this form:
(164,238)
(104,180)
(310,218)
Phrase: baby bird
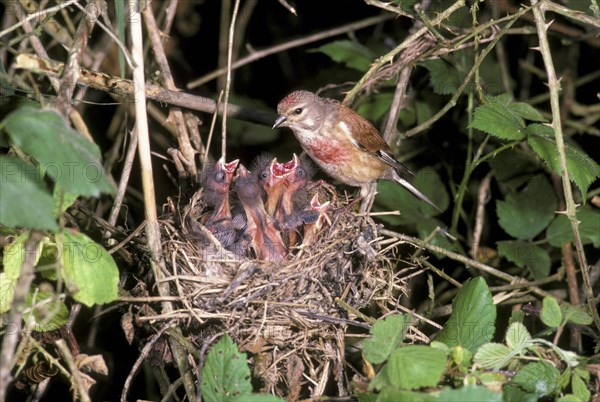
(260,229)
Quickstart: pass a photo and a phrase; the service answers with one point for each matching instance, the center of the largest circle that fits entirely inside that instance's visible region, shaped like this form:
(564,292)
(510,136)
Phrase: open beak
(279,120)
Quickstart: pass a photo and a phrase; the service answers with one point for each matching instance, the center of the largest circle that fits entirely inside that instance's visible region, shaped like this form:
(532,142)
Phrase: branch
(571,208)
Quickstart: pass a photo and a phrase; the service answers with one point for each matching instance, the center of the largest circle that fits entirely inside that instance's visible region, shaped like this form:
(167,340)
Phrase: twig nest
(285,314)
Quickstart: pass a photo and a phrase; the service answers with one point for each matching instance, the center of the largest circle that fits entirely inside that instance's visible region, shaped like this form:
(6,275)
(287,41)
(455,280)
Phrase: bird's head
(301,110)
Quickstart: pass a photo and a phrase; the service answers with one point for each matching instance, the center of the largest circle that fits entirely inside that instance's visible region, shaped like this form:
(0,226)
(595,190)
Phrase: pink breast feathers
(328,152)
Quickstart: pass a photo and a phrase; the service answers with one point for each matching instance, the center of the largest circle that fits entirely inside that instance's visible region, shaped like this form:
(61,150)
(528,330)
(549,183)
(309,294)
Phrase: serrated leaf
(88,270)
(62,200)
(392,196)
(491,355)
(513,168)
(445,78)
(376,106)
(517,336)
(63,153)
(539,378)
(14,256)
(526,111)
(255,398)
(473,318)
(471,393)
(575,314)
(387,336)
(515,394)
(580,388)
(225,374)
(24,200)
(350,53)
(496,118)
(48,312)
(525,214)
(399,395)
(526,255)
(415,366)
(551,314)
(560,230)
(583,170)
(7,292)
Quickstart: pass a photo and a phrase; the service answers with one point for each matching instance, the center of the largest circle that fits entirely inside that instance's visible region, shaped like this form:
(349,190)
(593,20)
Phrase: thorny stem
(571,208)
(389,57)
(461,88)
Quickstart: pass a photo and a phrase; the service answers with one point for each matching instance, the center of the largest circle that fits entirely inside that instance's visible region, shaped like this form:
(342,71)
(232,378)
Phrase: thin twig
(571,208)
(354,26)
(236,7)
(14,320)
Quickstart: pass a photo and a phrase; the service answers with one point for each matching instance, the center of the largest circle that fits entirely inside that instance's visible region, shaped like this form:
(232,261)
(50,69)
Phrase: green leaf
(512,393)
(392,196)
(472,393)
(24,200)
(62,200)
(513,168)
(570,398)
(583,170)
(517,336)
(225,373)
(472,322)
(539,378)
(526,255)
(560,230)
(48,312)
(376,106)
(492,356)
(524,215)
(445,78)
(497,118)
(575,314)
(7,292)
(399,395)
(88,270)
(526,111)
(580,387)
(551,314)
(415,366)
(255,398)
(350,53)
(64,154)
(387,337)
(14,256)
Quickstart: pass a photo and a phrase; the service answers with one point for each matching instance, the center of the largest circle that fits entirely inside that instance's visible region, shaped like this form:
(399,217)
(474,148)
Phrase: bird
(297,173)
(216,181)
(265,238)
(312,229)
(342,143)
(270,176)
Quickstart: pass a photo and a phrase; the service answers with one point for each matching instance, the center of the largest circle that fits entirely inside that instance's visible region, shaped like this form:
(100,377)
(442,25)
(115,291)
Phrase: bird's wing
(368,138)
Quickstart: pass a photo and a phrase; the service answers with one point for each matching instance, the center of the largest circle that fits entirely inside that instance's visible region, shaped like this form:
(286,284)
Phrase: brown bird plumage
(343,143)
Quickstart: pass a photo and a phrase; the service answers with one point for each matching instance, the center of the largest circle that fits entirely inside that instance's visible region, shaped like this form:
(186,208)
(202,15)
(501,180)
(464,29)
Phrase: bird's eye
(298,110)
(301,172)
(220,177)
(264,174)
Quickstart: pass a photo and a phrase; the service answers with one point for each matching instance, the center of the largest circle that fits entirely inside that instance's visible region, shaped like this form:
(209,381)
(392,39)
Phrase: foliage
(479,121)
(226,375)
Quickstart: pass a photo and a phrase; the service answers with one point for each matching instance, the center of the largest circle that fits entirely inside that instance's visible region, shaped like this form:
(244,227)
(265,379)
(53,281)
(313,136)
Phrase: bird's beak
(279,120)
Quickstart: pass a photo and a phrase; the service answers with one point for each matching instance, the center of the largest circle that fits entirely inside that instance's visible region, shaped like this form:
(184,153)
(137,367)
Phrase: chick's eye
(301,172)
(264,174)
(220,177)
(298,110)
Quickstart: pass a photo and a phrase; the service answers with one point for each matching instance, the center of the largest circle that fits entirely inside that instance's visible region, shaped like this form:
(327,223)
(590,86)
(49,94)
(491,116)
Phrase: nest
(290,317)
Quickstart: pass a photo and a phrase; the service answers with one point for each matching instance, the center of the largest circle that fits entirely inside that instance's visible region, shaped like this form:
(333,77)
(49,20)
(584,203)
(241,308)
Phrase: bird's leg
(367,193)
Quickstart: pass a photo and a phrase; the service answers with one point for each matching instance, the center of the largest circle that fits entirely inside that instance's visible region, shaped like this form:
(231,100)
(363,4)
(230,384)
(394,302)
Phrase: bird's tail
(404,183)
